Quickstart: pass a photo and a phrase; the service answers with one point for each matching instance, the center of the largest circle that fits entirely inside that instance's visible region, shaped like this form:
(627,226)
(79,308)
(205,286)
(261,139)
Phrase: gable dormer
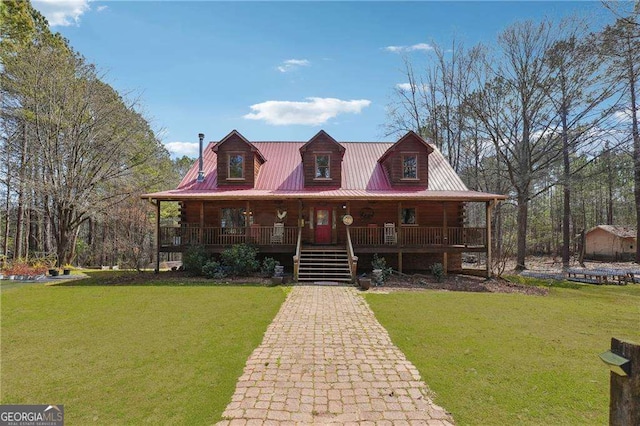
(407,161)
(322,161)
(238,160)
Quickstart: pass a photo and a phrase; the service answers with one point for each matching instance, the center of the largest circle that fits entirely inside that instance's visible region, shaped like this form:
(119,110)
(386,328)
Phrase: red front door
(323,226)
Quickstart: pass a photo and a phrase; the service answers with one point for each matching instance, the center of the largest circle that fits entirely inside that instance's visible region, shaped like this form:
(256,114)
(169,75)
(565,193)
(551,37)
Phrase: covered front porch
(398,227)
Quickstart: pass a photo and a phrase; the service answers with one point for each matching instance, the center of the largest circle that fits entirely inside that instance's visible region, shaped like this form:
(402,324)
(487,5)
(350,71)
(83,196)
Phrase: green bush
(269,266)
(240,260)
(213,269)
(381,263)
(438,271)
(193,259)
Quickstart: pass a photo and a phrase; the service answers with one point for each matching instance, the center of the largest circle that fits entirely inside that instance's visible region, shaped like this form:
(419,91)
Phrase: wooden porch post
(158,237)
(334,225)
(300,217)
(247,224)
(399,236)
(445,238)
(489,207)
(201,231)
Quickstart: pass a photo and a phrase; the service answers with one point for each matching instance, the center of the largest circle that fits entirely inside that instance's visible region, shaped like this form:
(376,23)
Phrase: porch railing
(176,236)
(218,236)
(296,257)
(353,259)
(419,236)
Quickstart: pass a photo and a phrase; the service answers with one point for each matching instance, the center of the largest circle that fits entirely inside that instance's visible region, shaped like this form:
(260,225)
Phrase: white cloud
(312,112)
(190,149)
(624,116)
(62,12)
(293,64)
(404,86)
(102,8)
(413,47)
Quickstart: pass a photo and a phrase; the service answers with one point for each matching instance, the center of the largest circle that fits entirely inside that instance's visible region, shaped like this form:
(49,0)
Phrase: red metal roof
(362,177)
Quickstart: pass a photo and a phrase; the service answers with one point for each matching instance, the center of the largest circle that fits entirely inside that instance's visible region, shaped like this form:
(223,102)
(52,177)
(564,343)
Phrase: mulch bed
(415,282)
(457,283)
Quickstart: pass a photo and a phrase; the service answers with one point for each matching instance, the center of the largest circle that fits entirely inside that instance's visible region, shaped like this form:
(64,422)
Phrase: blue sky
(274,70)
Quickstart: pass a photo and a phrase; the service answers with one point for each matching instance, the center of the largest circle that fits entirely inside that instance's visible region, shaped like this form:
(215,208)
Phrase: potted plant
(66,269)
(365,283)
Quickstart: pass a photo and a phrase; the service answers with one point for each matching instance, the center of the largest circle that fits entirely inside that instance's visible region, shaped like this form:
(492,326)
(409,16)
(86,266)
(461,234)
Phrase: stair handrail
(353,259)
(296,257)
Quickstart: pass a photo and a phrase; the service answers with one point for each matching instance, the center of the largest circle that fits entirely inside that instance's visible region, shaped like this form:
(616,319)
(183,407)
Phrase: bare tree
(431,103)
(578,89)
(408,110)
(513,109)
(622,41)
(89,140)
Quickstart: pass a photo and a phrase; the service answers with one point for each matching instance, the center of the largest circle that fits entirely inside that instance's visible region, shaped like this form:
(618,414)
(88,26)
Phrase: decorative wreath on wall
(281,215)
(366,213)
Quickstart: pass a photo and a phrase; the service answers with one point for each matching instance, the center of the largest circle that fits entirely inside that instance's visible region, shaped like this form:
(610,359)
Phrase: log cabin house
(320,206)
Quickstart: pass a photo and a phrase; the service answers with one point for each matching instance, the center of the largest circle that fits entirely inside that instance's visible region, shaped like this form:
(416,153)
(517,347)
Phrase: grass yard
(498,359)
(130,354)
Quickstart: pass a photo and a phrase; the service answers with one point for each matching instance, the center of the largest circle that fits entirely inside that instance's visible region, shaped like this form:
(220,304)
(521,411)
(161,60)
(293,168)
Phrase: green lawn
(502,359)
(127,355)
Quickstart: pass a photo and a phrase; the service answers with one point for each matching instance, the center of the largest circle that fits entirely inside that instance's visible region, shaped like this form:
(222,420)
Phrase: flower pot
(365,283)
(66,271)
(277,280)
(54,272)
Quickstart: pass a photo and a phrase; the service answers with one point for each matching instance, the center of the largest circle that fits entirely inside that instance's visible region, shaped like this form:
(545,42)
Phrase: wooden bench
(599,276)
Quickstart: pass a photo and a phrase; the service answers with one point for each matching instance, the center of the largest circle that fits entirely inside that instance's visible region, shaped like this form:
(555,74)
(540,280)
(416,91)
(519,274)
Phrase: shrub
(438,271)
(240,259)
(381,263)
(193,259)
(269,266)
(213,269)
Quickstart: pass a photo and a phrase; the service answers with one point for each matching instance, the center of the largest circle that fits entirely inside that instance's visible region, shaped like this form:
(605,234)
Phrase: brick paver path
(326,359)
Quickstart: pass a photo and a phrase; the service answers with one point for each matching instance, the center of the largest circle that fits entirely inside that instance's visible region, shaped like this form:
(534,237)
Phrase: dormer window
(410,166)
(236,166)
(322,166)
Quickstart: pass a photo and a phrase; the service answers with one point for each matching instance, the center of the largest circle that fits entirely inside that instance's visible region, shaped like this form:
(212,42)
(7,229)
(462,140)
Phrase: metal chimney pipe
(200,165)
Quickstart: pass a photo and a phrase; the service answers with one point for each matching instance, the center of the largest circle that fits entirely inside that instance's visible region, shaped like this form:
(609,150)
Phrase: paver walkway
(326,359)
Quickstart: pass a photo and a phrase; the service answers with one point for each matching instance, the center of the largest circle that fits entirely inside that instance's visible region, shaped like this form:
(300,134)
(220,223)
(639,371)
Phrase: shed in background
(610,242)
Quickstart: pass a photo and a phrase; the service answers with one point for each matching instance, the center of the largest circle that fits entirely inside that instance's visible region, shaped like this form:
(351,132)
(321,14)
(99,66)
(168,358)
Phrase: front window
(236,166)
(410,166)
(322,167)
(322,217)
(232,221)
(409,216)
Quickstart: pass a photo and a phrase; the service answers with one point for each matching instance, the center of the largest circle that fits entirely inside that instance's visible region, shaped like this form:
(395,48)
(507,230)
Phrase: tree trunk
(523,212)
(566,177)
(8,219)
(609,169)
(636,150)
(18,248)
